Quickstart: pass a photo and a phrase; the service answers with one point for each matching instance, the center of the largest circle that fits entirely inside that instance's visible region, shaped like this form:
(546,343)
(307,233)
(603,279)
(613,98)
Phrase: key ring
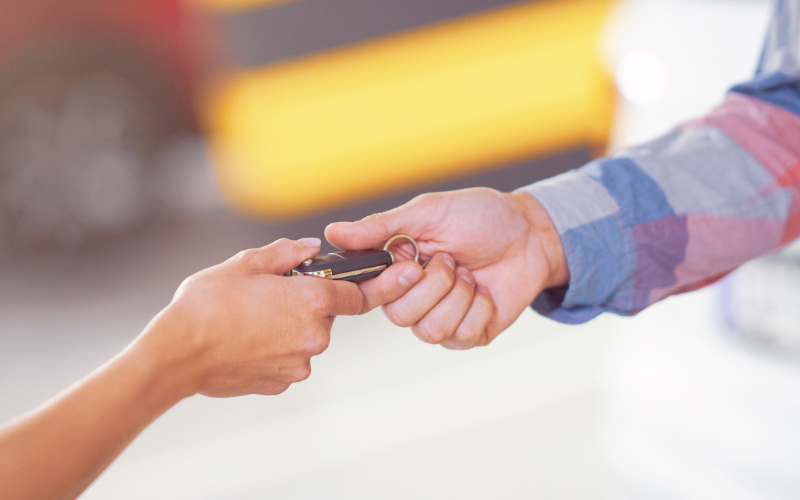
(406,237)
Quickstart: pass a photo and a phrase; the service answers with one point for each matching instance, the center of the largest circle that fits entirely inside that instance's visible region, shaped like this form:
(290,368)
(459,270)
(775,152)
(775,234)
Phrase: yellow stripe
(411,109)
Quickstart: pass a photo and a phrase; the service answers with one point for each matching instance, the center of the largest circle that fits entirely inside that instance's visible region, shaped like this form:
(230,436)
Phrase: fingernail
(448,259)
(409,276)
(310,242)
(464,274)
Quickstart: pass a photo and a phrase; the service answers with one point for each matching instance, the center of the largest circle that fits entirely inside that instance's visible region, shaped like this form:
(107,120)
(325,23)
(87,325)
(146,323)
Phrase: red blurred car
(89,92)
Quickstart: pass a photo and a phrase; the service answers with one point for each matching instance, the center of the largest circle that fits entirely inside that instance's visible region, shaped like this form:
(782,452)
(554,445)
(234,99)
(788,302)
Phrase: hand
(489,255)
(233,329)
(242,328)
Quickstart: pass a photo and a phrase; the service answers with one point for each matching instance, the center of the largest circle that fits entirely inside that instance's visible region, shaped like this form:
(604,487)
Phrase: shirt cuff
(598,245)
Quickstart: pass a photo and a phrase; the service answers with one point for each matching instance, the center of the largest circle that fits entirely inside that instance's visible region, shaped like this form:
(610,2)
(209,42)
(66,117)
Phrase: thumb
(278,257)
(373,231)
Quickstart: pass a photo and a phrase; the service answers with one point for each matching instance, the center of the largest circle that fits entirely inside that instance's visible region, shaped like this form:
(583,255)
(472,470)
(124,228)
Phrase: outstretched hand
(236,328)
(241,327)
(488,255)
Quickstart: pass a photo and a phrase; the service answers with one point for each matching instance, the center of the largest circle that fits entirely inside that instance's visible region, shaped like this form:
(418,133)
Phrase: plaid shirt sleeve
(680,212)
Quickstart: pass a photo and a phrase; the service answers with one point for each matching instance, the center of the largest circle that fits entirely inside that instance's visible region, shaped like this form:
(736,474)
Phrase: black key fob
(352,265)
(348,265)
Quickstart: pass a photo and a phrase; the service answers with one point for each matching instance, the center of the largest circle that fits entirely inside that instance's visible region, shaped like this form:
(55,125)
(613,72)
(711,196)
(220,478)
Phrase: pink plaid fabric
(682,211)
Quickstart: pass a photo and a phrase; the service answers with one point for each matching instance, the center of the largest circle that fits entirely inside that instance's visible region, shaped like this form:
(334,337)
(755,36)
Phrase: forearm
(685,209)
(231,330)
(56,451)
(677,213)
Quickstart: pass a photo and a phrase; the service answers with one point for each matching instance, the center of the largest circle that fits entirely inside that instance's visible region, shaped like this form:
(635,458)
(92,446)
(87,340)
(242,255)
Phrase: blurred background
(142,141)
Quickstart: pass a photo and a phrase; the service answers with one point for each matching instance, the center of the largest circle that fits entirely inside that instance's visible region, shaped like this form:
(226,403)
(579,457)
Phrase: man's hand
(242,328)
(489,255)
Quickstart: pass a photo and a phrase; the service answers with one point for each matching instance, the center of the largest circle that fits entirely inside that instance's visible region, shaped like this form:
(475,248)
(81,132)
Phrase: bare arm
(59,449)
(231,330)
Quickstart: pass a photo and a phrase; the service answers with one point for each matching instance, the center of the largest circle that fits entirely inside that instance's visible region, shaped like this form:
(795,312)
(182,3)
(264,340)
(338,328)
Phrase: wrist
(165,352)
(544,241)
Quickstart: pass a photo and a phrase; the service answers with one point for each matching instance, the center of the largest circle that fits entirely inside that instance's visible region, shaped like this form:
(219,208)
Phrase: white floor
(385,416)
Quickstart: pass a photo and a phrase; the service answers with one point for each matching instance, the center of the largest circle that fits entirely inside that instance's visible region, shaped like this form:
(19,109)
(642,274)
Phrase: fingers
(442,321)
(390,285)
(339,298)
(471,331)
(278,257)
(374,230)
(435,283)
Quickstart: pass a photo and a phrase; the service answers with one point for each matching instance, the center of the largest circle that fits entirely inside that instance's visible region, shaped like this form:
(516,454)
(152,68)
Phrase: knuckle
(487,303)
(454,345)
(467,337)
(422,334)
(380,220)
(247,257)
(399,314)
(489,335)
(302,372)
(383,294)
(424,198)
(279,389)
(194,292)
(317,344)
(280,245)
(482,301)
(239,257)
(464,290)
(445,278)
(431,332)
(375,217)
(187,284)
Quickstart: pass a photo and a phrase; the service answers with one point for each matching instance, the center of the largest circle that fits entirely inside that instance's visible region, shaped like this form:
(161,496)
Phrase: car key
(352,265)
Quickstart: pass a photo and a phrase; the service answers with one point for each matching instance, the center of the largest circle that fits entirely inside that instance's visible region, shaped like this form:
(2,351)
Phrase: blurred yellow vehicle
(330,102)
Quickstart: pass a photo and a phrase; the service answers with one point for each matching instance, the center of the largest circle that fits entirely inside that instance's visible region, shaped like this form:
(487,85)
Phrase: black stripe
(289,30)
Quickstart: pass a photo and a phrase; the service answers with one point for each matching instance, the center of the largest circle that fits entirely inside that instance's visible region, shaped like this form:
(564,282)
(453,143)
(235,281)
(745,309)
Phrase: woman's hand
(233,329)
(241,327)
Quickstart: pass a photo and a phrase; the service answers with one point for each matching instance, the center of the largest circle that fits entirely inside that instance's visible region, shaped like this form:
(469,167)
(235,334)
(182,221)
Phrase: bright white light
(642,78)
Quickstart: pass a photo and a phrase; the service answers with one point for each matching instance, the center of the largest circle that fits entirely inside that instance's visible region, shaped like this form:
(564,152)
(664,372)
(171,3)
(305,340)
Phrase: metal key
(352,265)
